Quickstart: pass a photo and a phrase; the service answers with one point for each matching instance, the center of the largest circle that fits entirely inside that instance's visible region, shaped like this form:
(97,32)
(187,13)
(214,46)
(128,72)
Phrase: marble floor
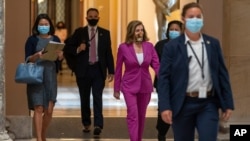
(98,140)
(68,105)
(68,102)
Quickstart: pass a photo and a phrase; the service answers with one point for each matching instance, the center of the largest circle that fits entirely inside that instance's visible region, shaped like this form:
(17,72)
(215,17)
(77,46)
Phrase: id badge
(203,92)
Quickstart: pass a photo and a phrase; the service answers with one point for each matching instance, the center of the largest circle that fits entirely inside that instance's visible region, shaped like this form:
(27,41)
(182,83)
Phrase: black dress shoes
(161,138)
(97,131)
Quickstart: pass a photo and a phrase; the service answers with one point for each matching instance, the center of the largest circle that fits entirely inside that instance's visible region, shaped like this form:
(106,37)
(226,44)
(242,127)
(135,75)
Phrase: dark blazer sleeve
(79,36)
(30,46)
(105,56)
(226,96)
(173,76)
(78,61)
(110,59)
(164,79)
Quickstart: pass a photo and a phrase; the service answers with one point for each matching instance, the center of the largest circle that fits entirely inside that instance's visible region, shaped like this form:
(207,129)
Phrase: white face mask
(139,38)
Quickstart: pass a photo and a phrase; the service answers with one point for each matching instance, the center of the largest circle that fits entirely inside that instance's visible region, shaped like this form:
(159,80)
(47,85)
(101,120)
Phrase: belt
(93,63)
(196,94)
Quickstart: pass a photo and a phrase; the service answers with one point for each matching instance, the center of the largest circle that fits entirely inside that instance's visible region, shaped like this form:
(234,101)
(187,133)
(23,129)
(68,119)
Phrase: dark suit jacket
(105,56)
(174,73)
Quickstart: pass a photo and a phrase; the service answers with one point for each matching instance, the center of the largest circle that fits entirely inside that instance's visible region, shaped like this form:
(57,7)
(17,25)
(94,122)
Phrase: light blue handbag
(29,73)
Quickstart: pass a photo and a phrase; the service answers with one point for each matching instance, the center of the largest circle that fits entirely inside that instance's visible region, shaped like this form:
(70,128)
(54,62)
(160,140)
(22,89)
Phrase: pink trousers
(136,113)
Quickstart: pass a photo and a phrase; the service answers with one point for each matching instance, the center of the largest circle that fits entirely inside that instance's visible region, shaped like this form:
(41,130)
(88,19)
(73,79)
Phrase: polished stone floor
(68,99)
(93,140)
(68,104)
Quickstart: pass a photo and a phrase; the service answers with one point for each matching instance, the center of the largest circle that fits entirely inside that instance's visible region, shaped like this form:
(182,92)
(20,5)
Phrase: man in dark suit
(91,46)
(194,82)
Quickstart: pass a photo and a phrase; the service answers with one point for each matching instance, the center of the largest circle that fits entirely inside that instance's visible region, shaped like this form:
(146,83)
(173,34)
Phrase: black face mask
(93,22)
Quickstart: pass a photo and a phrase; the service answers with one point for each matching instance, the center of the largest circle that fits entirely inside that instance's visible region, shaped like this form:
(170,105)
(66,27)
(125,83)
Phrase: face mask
(194,25)
(43,29)
(138,38)
(93,22)
(173,34)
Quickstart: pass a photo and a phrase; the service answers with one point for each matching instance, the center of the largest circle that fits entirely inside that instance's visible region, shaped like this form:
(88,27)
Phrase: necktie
(92,58)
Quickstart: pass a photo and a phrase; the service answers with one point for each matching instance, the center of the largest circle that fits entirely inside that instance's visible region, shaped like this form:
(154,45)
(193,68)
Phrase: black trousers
(92,81)
(162,127)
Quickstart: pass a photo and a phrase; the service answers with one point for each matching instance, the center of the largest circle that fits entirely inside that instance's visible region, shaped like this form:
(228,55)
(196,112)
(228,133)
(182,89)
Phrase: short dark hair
(92,9)
(188,6)
(38,18)
(179,23)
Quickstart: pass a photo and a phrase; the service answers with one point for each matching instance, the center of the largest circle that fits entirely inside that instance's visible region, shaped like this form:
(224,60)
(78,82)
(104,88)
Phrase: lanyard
(201,64)
(93,35)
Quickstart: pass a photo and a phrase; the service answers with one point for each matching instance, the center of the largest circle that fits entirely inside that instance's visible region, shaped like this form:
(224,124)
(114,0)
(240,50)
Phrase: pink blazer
(136,77)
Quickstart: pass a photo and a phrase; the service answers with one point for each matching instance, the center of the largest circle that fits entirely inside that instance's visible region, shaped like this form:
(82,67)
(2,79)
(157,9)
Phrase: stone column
(3,133)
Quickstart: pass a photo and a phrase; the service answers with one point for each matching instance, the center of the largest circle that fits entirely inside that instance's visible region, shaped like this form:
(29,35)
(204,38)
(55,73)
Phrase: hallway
(66,123)
(68,102)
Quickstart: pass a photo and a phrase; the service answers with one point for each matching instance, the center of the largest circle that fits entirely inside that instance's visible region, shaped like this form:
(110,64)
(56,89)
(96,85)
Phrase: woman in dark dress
(42,97)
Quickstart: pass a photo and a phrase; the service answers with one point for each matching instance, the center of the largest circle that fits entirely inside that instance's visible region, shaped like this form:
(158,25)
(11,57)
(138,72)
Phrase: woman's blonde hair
(130,36)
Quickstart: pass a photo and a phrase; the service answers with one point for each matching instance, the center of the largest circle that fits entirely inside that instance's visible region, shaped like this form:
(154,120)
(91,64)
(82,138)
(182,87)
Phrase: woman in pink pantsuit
(137,55)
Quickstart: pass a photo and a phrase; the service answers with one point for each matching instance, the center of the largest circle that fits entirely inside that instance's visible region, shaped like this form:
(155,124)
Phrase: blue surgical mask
(194,25)
(43,29)
(173,34)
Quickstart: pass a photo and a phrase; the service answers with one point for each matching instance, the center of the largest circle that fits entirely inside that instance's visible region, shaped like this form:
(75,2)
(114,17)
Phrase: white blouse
(139,57)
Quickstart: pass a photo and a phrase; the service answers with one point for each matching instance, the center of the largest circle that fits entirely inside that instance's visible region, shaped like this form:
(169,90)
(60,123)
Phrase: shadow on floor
(114,127)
